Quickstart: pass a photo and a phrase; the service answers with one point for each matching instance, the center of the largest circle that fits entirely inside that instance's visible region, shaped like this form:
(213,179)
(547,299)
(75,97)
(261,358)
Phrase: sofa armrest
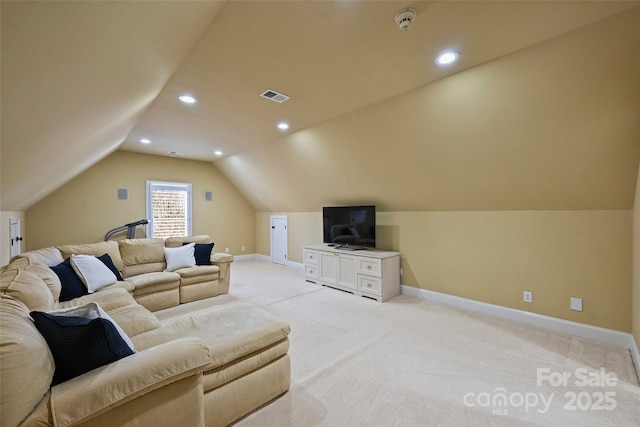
(218,257)
(223,261)
(128,286)
(82,398)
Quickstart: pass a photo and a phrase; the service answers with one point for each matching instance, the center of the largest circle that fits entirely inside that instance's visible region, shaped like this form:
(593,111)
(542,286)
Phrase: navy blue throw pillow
(202,253)
(78,344)
(106,260)
(72,286)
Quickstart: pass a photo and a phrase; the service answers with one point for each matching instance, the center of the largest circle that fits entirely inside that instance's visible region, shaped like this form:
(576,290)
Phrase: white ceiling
(82,79)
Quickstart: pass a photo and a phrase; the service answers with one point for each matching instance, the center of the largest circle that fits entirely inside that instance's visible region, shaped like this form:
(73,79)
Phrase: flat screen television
(349,227)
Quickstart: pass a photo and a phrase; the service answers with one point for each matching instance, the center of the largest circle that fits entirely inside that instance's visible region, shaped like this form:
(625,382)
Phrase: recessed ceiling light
(187,99)
(447,58)
(218,153)
(145,141)
(283,126)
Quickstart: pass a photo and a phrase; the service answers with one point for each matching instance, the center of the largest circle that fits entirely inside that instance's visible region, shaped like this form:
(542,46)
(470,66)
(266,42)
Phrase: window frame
(168,185)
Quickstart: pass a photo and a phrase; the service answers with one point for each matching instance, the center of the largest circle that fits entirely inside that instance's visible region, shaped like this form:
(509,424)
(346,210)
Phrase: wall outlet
(576,304)
(527,296)
(402,271)
(226,250)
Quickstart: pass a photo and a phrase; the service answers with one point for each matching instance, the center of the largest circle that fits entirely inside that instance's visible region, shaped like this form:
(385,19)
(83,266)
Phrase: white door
(14,231)
(279,239)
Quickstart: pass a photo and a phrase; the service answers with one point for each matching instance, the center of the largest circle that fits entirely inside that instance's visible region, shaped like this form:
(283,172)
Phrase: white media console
(369,272)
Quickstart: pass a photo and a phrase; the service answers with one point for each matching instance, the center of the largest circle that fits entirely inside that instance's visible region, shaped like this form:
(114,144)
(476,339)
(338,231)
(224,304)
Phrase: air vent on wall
(274,96)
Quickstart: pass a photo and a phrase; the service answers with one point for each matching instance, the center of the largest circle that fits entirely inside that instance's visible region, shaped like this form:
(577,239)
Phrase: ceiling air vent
(274,96)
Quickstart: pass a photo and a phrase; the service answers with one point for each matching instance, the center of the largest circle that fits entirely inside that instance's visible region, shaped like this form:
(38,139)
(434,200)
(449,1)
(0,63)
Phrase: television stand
(373,274)
(350,248)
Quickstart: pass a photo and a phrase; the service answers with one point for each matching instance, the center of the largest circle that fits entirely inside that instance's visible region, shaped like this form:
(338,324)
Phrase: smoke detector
(405,18)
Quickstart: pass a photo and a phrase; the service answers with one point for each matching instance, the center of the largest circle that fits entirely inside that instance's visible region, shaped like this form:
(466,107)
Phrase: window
(168,209)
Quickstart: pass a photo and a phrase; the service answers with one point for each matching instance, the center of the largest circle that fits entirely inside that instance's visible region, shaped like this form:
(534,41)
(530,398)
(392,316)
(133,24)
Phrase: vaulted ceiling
(372,117)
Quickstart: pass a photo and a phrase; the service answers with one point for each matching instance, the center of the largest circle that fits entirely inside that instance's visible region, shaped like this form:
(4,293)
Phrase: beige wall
(494,256)
(305,228)
(552,127)
(87,207)
(5,243)
(636,265)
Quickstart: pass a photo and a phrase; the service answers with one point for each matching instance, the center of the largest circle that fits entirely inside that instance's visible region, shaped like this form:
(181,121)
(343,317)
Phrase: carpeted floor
(409,362)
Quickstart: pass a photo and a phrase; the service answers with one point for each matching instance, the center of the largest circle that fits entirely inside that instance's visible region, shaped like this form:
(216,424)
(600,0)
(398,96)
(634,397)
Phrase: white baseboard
(595,333)
(251,256)
(295,265)
(290,264)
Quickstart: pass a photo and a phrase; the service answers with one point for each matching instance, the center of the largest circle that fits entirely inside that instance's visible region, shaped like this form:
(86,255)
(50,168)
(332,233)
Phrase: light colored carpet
(410,362)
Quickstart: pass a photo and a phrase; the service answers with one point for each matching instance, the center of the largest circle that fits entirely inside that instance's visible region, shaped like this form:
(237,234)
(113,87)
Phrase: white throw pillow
(180,257)
(92,311)
(92,272)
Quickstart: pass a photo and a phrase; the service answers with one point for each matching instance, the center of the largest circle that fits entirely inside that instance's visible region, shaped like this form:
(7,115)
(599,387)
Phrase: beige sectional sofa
(207,366)
(142,264)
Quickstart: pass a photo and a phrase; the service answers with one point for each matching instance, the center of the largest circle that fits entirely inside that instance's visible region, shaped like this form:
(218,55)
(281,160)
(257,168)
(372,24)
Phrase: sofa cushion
(174,242)
(26,287)
(134,319)
(204,275)
(142,256)
(148,280)
(180,257)
(48,256)
(92,311)
(23,351)
(72,286)
(202,253)
(110,298)
(42,270)
(232,331)
(141,251)
(106,260)
(198,270)
(93,273)
(135,270)
(79,344)
(110,247)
